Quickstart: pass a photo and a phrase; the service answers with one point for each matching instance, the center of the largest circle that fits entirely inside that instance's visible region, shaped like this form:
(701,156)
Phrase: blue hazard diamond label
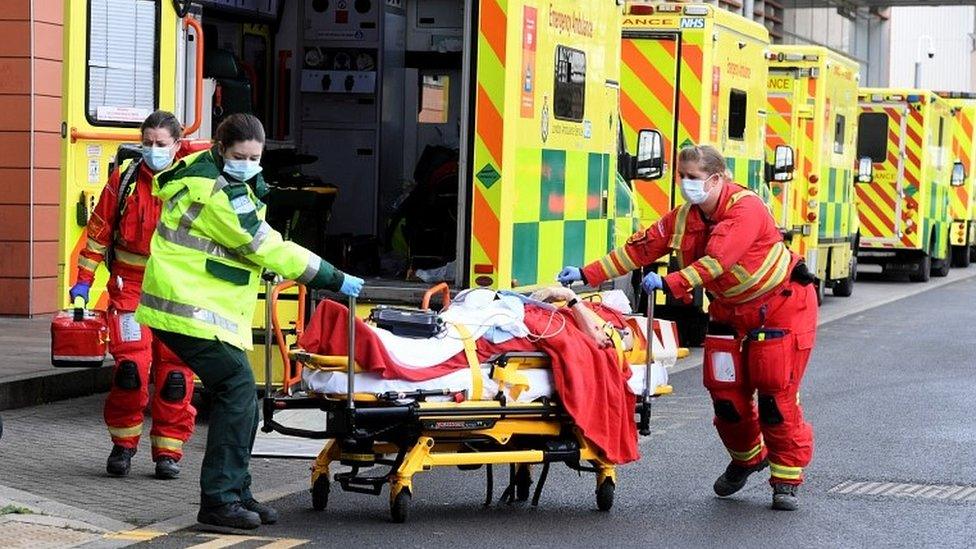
(488,176)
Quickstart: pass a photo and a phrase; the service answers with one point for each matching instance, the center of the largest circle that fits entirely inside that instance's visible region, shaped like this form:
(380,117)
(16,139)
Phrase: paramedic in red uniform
(763,317)
(118,234)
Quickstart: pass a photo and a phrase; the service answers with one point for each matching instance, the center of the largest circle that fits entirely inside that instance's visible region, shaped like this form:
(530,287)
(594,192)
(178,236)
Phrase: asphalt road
(890,392)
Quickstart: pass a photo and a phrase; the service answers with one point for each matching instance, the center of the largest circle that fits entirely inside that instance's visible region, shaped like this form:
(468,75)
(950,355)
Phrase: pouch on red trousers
(722,366)
(769,359)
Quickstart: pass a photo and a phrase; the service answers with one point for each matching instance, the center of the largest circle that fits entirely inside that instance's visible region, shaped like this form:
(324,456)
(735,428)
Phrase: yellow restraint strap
(471,353)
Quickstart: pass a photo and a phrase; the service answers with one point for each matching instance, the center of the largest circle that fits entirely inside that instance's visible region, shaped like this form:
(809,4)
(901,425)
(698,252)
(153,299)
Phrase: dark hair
(165,120)
(239,127)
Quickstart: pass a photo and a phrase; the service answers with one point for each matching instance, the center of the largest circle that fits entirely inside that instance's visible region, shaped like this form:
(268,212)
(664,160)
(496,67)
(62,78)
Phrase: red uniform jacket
(737,254)
(133,232)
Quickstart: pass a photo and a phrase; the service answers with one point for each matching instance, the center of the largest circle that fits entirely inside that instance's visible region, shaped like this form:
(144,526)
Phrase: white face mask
(693,190)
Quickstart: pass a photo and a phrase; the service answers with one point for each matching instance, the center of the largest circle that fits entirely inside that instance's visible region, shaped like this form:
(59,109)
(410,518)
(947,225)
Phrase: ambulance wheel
(961,256)
(845,287)
(604,495)
(924,272)
(320,493)
(940,267)
(523,483)
(400,507)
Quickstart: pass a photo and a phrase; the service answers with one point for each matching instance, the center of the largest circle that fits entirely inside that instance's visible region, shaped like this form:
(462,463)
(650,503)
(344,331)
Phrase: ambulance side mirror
(865,170)
(649,163)
(958,175)
(783,164)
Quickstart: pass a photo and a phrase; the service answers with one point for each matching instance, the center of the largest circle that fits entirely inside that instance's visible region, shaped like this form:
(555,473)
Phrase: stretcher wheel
(400,507)
(320,493)
(604,495)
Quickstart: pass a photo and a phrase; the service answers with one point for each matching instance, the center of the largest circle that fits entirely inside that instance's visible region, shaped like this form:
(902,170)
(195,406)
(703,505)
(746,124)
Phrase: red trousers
(137,355)
(757,405)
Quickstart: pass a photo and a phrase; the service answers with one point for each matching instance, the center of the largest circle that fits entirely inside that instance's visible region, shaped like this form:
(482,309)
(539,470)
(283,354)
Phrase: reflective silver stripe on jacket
(255,244)
(187,240)
(187,311)
(314,264)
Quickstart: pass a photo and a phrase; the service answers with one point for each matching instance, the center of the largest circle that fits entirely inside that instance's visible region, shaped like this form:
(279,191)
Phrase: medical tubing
(351,365)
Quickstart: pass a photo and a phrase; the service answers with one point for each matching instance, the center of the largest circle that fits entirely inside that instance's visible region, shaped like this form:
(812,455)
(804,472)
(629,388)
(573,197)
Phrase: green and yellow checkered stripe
(565,220)
(835,216)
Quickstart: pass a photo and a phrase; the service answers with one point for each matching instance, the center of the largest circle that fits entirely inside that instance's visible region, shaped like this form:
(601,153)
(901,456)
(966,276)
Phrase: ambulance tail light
(813,191)
(811,217)
(642,10)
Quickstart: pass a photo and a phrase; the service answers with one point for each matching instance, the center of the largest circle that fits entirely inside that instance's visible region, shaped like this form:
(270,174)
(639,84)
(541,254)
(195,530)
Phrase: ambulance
(812,106)
(962,196)
(905,176)
(697,74)
(473,142)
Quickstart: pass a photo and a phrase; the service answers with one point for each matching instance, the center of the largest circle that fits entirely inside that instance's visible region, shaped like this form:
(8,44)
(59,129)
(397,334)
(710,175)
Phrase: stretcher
(496,417)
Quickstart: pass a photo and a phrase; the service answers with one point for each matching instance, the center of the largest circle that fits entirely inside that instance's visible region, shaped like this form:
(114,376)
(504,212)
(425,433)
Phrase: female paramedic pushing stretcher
(200,293)
(118,234)
(763,317)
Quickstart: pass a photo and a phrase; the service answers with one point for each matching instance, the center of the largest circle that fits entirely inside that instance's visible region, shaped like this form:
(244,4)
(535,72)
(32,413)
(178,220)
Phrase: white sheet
(540,382)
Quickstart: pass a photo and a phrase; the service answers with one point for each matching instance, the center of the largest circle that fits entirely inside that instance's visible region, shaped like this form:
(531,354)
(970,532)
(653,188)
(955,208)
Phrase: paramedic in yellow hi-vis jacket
(200,293)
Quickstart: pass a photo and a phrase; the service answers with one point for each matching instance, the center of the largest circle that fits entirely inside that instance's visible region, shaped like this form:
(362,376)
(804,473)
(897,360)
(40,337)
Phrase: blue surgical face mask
(157,158)
(242,170)
(693,190)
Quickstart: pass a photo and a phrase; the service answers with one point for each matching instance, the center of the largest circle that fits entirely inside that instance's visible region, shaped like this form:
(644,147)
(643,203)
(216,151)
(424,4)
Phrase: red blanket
(591,386)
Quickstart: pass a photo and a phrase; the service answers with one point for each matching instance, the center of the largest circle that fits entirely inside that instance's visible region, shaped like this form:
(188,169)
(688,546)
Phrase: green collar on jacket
(206,164)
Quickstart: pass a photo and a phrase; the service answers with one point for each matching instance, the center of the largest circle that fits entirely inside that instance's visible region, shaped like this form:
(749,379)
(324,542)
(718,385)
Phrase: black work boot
(229,515)
(167,468)
(266,512)
(784,497)
(735,477)
(119,461)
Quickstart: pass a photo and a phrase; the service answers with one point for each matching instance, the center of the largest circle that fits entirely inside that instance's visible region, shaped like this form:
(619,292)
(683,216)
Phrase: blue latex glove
(652,281)
(81,290)
(351,285)
(569,275)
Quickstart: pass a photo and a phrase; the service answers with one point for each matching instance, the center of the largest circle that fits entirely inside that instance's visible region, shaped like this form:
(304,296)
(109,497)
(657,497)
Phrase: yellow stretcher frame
(469,433)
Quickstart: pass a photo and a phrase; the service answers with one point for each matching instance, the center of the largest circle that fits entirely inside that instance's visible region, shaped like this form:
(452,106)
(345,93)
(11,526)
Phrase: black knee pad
(725,410)
(174,388)
(768,411)
(127,376)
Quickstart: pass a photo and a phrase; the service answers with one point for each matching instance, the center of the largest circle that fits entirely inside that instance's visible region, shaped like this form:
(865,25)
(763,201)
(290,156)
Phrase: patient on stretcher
(480,324)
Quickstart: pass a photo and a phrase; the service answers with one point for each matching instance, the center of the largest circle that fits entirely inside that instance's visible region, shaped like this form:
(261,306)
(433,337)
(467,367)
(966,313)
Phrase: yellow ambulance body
(904,135)
(533,104)
(697,74)
(962,196)
(813,107)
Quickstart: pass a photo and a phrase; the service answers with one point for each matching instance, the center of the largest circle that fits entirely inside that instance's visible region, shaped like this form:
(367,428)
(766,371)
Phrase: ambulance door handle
(190,22)
(605,203)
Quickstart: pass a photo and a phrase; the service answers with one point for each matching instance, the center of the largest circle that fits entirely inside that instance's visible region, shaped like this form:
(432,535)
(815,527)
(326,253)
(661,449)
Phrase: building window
(122,63)
(570,87)
(872,136)
(839,124)
(434,99)
(737,114)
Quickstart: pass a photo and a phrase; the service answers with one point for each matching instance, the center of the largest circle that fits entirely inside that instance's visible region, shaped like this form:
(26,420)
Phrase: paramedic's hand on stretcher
(569,275)
(351,285)
(81,290)
(652,281)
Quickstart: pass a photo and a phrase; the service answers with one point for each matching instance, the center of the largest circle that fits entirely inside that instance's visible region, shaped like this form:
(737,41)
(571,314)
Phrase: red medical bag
(79,338)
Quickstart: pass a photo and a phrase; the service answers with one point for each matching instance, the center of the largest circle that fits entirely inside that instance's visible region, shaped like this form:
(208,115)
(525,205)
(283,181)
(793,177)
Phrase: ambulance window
(122,61)
(737,114)
(872,136)
(839,123)
(570,87)
(434,97)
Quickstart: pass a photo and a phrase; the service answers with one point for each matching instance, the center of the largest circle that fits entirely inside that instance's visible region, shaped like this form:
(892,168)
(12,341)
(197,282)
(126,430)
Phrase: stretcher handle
(442,289)
(269,280)
(291,371)
(644,424)
(351,358)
